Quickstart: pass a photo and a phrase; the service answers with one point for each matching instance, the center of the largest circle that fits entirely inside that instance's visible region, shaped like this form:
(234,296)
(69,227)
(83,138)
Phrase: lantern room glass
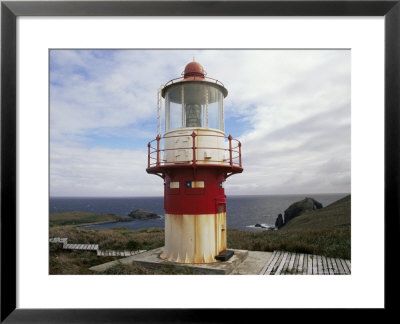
(194,104)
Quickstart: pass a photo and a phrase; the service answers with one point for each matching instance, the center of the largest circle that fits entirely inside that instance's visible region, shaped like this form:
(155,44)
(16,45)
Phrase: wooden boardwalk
(287,263)
(92,247)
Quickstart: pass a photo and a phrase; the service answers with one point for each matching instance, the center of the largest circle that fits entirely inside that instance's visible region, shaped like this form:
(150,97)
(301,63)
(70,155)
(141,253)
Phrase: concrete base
(242,262)
(152,259)
(253,264)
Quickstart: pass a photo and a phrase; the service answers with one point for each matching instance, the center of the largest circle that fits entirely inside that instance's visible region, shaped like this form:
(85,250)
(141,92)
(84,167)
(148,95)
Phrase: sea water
(243,212)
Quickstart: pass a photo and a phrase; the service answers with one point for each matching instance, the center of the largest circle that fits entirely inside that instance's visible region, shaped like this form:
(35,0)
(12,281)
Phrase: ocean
(243,212)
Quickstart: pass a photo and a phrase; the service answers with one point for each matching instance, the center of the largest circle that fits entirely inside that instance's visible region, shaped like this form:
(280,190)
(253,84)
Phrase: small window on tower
(173,187)
(194,187)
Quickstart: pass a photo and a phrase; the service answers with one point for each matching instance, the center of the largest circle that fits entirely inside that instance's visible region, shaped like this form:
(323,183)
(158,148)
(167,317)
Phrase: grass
(325,231)
(112,239)
(79,218)
(73,262)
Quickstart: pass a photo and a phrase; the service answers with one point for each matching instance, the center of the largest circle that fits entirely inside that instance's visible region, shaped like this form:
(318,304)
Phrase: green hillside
(335,215)
(325,231)
(77,218)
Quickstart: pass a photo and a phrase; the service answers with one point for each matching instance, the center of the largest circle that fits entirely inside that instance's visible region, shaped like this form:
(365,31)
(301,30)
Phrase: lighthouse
(194,157)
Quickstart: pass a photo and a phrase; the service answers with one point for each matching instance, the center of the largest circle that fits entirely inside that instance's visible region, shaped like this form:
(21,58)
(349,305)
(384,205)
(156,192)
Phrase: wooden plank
(348,265)
(344,265)
(305,264)
(264,268)
(296,263)
(300,265)
(329,264)
(334,266)
(278,263)
(285,266)
(319,265)
(315,266)
(339,265)
(291,263)
(282,263)
(309,264)
(325,265)
(271,264)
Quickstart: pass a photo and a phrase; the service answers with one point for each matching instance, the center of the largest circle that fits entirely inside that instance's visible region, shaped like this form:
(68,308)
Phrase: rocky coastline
(297,209)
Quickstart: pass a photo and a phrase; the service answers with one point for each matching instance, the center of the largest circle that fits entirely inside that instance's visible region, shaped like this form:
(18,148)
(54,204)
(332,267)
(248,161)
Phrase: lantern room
(194,104)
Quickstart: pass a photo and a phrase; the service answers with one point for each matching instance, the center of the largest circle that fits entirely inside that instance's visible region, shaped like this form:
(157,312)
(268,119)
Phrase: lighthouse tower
(194,157)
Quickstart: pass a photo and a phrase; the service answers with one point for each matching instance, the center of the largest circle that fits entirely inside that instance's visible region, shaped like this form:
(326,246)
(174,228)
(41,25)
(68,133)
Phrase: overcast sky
(289,108)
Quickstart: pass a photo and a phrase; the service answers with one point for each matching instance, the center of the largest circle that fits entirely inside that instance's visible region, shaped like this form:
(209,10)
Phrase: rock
(297,209)
(259,225)
(279,221)
(142,215)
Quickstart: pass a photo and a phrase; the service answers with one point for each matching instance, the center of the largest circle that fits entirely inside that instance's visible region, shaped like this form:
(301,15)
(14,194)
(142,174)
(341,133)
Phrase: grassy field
(77,217)
(325,231)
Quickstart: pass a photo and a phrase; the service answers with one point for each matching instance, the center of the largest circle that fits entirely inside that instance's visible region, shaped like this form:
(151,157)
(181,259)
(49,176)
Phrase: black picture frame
(10,10)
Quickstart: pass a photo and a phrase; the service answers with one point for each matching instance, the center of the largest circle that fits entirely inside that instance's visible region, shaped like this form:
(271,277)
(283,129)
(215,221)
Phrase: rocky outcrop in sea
(139,214)
(279,221)
(297,209)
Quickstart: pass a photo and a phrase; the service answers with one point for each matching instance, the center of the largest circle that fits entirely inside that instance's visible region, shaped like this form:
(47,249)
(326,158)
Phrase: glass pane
(197,97)
(215,108)
(173,108)
(194,98)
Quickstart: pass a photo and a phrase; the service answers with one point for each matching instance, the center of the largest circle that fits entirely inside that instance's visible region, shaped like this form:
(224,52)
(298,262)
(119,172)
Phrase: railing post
(230,149)
(158,149)
(194,148)
(240,154)
(148,154)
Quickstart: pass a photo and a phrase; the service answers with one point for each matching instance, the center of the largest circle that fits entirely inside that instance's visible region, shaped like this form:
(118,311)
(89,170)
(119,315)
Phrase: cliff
(296,209)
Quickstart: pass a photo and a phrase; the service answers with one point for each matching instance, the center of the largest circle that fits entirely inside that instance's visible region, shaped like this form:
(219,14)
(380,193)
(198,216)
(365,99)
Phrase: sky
(290,109)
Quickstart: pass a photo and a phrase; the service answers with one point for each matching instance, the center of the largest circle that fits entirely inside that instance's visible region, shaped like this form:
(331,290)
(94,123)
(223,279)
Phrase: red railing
(205,78)
(154,152)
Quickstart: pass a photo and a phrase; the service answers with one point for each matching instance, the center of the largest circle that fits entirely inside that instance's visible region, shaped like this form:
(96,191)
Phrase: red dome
(193,69)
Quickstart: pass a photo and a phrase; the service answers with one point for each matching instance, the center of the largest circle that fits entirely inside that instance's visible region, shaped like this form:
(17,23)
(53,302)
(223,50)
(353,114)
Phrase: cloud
(290,108)
(78,171)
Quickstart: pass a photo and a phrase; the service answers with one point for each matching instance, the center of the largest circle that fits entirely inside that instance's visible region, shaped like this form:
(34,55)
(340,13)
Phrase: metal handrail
(205,78)
(231,161)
